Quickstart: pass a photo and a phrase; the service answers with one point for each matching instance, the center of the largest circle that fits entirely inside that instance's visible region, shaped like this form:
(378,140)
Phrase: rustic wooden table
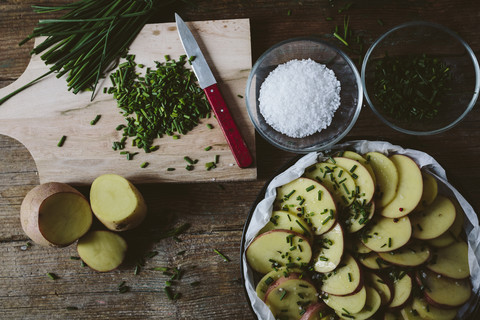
(210,287)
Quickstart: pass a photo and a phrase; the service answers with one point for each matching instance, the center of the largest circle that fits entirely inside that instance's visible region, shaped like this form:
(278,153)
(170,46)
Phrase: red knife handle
(230,130)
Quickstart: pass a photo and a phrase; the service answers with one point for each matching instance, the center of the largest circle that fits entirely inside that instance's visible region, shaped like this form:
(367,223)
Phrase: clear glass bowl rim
(446,30)
(357,80)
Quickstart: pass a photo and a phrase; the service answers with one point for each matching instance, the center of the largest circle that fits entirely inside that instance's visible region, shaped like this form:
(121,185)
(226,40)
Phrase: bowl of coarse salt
(304,95)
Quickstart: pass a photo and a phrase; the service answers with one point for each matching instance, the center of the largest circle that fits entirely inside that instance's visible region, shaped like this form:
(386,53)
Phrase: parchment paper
(262,212)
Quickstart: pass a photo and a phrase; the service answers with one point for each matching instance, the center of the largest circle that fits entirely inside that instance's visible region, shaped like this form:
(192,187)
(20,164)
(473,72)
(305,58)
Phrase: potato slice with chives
(277,248)
(310,201)
(372,305)
(434,220)
(363,160)
(345,279)
(330,251)
(364,181)
(284,220)
(352,303)
(271,277)
(410,255)
(386,234)
(451,261)
(336,180)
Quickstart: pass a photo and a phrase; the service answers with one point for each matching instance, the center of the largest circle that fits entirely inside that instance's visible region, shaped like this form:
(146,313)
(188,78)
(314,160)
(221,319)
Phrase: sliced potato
(335,179)
(352,303)
(402,291)
(390,315)
(310,201)
(55,214)
(430,191)
(443,292)
(363,180)
(429,312)
(411,255)
(451,261)
(387,234)
(271,277)
(373,261)
(408,313)
(409,189)
(357,215)
(356,246)
(453,233)
(358,157)
(371,307)
(434,220)
(329,254)
(289,296)
(386,174)
(278,248)
(284,220)
(102,250)
(383,285)
(316,311)
(344,280)
(117,203)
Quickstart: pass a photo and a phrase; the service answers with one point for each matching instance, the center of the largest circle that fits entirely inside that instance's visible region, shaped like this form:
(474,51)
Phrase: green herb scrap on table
(86,41)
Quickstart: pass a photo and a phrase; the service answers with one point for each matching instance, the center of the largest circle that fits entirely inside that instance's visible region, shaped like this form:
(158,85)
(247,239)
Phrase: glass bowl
(402,102)
(351,93)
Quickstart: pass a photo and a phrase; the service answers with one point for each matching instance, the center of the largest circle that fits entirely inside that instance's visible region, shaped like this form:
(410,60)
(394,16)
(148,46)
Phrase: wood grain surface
(215,211)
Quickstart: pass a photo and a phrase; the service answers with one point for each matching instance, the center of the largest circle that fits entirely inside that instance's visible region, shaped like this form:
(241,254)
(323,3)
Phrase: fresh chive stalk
(87,39)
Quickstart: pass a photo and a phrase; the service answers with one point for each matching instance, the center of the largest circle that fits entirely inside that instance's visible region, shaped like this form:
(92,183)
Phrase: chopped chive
(144,165)
(207,148)
(52,276)
(282,296)
(226,259)
(209,126)
(217,158)
(62,141)
(170,169)
(310,188)
(389,242)
(350,277)
(352,170)
(94,121)
(71,308)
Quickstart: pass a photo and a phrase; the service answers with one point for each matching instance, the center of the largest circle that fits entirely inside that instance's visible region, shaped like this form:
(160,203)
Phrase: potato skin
(30,209)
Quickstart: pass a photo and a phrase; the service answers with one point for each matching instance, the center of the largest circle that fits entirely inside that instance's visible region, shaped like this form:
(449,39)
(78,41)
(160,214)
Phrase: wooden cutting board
(39,116)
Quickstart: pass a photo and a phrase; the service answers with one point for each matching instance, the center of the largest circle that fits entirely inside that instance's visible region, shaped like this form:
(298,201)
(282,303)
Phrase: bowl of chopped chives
(304,95)
(420,78)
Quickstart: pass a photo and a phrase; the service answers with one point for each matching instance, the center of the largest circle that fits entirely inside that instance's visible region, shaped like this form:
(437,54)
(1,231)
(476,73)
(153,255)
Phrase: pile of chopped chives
(166,100)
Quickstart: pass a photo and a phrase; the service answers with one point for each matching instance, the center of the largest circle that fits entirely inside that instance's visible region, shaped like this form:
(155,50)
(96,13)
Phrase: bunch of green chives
(88,39)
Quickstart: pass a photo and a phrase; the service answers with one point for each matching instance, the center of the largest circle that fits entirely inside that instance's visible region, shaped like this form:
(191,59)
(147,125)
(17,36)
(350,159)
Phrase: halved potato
(352,303)
(344,280)
(436,219)
(451,261)
(284,220)
(102,250)
(329,254)
(290,296)
(411,255)
(386,174)
(117,203)
(402,291)
(363,180)
(277,248)
(55,214)
(429,312)
(271,277)
(387,234)
(335,179)
(371,307)
(310,201)
(409,189)
(444,292)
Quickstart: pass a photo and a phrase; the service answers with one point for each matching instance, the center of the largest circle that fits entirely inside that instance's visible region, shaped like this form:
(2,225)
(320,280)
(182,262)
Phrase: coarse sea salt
(299,98)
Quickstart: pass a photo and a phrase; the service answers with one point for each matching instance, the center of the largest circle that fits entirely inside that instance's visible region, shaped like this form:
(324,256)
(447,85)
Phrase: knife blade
(207,82)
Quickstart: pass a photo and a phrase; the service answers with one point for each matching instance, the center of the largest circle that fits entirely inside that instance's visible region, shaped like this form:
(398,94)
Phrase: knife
(207,82)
